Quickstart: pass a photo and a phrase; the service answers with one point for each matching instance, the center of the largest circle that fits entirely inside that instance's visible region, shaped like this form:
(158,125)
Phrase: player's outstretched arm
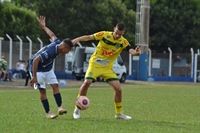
(42,22)
(82,38)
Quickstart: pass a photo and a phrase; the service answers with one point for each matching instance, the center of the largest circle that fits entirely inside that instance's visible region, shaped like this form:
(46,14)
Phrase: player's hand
(41,20)
(75,41)
(33,81)
(138,50)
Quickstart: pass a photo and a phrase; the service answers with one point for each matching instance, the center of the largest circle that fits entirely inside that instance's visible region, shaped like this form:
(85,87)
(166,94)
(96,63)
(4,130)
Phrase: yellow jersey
(108,49)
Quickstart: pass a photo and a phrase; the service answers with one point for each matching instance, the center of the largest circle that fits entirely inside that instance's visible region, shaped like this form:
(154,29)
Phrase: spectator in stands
(8,74)
(188,74)
(163,72)
(21,68)
(1,69)
(182,72)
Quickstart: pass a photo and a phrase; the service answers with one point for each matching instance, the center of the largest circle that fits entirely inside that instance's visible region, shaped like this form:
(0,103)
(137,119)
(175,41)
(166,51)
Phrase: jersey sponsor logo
(102,62)
(108,53)
(126,42)
(99,34)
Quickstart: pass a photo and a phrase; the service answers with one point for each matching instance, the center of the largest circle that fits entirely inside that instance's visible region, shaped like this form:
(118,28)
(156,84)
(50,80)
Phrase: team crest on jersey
(117,45)
(108,36)
(100,34)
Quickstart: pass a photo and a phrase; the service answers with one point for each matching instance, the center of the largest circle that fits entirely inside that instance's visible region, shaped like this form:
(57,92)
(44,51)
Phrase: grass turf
(155,108)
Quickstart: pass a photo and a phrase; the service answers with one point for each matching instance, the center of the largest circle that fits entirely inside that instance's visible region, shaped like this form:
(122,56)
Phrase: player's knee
(87,83)
(42,92)
(118,90)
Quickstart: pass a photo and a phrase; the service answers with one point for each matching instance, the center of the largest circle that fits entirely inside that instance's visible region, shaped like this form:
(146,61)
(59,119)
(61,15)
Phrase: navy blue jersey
(47,55)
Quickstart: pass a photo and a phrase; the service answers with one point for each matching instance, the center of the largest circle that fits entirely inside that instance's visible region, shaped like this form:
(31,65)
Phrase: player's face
(117,33)
(66,49)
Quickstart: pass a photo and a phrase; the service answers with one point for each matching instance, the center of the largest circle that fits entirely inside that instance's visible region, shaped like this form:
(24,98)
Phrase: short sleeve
(57,41)
(126,43)
(99,35)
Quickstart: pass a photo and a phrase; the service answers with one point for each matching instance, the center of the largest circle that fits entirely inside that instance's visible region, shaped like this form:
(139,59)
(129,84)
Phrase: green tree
(175,24)
(74,18)
(20,21)
(28,4)
(131,4)
(2,20)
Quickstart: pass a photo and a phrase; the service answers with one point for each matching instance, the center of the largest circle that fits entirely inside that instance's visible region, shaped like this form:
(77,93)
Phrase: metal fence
(159,63)
(180,65)
(59,62)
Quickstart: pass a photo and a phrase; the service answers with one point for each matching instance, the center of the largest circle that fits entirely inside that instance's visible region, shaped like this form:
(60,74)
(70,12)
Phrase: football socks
(118,108)
(45,104)
(58,99)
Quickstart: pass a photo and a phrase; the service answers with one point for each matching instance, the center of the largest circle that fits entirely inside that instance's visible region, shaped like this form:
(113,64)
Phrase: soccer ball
(82,102)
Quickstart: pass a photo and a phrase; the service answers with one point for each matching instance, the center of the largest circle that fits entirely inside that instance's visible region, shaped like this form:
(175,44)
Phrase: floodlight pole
(144,39)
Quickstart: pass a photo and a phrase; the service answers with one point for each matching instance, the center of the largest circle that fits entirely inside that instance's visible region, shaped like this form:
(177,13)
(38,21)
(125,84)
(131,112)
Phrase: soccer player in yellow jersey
(108,49)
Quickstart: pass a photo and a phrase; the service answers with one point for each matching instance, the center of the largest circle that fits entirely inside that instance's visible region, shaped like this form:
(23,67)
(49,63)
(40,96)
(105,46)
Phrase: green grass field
(155,108)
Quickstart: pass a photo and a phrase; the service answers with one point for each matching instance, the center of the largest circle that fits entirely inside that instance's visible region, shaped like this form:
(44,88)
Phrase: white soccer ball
(82,102)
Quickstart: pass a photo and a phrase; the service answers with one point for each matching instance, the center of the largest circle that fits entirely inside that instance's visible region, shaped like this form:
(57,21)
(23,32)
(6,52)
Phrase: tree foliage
(2,21)
(18,21)
(69,18)
(175,24)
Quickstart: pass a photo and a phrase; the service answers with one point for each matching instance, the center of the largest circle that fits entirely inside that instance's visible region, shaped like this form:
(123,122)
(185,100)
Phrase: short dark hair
(68,42)
(120,26)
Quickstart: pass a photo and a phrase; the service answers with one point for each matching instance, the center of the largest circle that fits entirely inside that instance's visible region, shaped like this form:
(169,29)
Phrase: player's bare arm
(42,22)
(135,51)
(83,38)
(34,70)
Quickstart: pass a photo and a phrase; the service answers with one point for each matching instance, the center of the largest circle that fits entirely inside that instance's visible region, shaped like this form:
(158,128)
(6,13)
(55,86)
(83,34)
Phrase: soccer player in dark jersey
(41,69)
(108,49)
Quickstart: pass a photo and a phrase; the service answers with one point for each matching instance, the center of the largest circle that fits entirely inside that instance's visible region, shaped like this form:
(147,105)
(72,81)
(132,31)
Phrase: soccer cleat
(122,116)
(61,111)
(77,113)
(51,115)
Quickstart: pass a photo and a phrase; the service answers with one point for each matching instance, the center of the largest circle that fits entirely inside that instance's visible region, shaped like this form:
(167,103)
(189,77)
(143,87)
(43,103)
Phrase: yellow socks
(118,108)
(77,97)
